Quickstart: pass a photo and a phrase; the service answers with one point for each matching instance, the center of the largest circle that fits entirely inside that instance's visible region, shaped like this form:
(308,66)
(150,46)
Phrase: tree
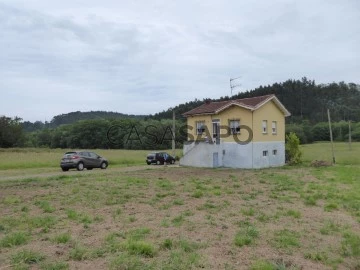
(11,132)
(293,151)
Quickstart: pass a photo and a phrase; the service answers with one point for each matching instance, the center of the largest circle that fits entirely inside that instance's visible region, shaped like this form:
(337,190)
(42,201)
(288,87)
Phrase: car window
(93,155)
(84,154)
(69,154)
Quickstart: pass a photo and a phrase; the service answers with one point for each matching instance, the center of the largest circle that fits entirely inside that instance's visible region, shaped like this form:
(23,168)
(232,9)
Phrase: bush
(293,153)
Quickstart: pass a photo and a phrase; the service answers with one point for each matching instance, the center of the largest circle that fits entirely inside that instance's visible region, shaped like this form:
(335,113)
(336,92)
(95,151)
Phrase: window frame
(274,127)
(265,153)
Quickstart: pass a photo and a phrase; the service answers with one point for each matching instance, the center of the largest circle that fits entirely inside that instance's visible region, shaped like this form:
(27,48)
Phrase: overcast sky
(142,57)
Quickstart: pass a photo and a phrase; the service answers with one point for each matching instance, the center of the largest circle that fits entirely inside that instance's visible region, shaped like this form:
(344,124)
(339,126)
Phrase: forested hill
(70,118)
(305,99)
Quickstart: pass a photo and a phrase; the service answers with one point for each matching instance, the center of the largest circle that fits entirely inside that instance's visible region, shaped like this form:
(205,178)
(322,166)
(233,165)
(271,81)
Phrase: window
(274,127)
(216,127)
(265,153)
(200,127)
(234,126)
(93,155)
(264,126)
(274,152)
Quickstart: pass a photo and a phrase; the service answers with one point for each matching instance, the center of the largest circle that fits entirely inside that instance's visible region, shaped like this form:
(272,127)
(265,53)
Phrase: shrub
(293,153)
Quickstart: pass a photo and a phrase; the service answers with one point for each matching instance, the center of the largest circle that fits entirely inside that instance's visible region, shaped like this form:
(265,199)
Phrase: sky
(143,57)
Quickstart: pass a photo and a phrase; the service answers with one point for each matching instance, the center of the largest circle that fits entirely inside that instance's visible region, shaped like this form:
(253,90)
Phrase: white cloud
(142,56)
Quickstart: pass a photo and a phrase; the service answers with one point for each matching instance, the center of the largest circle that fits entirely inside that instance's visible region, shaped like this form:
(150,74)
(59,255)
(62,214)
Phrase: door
(216,130)
(94,160)
(215,159)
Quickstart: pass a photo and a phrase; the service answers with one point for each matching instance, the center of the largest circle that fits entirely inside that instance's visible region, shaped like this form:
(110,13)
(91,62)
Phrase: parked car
(159,158)
(81,160)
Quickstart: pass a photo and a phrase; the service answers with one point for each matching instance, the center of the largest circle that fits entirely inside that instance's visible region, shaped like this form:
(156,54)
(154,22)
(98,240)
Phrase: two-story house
(242,133)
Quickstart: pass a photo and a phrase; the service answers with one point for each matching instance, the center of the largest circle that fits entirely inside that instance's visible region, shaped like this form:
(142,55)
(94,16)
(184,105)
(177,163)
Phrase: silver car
(82,159)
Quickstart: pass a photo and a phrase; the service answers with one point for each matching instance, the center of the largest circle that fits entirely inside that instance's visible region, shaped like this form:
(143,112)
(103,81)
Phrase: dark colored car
(159,158)
(81,160)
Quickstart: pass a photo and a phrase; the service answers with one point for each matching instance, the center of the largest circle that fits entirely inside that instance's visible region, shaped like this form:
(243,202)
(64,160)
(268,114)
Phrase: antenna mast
(232,85)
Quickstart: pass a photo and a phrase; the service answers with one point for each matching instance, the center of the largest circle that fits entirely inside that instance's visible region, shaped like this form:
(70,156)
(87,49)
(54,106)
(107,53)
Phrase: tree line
(109,134)
(307,102)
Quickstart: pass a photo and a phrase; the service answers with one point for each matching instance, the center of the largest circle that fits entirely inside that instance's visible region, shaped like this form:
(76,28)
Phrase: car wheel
(172,161)
(158,162)
(148,163)
(80,166)
(103,166)
(65,169)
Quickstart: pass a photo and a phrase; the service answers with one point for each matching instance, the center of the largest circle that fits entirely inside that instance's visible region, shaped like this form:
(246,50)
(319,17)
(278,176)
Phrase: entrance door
(215,159)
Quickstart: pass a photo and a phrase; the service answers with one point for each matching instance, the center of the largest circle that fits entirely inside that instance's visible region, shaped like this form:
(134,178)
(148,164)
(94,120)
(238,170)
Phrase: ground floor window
(200,127)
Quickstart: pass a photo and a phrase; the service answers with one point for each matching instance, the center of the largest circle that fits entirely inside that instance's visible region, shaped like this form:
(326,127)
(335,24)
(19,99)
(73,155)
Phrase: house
(242,133)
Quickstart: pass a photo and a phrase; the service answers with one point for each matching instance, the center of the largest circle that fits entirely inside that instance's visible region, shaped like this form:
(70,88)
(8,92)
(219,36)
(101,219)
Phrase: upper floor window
(200,127)
(274,127)
(264,126)
(234,126)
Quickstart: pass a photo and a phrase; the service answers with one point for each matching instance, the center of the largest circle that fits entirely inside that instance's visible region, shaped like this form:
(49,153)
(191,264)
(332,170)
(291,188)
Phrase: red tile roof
(249,103)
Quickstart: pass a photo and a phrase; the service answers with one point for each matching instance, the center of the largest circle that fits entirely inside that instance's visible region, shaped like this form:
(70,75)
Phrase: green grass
(79,253)
(27,257)
(246,236)
(178,218)
(322,151)
(351,244)
(62,238)
(142,248)
(23,158)
(14,239)
(55,266)
(45,206)
(128,262)
(286,239)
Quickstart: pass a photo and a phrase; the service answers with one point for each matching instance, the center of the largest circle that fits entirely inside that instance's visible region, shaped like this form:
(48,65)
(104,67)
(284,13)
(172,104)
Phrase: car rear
(151,158)
(69,160)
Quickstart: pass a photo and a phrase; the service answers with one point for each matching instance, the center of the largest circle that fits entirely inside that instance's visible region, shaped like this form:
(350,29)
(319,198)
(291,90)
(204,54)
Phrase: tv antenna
(234,85)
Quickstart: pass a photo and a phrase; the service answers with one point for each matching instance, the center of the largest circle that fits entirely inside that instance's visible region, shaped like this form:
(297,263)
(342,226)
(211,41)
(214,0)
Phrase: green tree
(11,132)
(293,152)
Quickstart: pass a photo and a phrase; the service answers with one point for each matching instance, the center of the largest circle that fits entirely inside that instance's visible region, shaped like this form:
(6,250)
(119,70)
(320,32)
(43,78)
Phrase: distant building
(242,133)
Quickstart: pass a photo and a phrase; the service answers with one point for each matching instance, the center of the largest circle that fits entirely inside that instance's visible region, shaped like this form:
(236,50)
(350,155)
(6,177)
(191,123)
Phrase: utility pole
(173,134)
(349,135)
(331,137)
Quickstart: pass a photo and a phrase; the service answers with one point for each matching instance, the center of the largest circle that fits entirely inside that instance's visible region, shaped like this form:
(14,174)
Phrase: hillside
(72,117)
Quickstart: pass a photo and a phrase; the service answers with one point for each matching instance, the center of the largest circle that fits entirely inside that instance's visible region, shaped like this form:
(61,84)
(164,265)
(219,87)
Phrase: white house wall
(234,155)
(237,155)
(201,154)
(271,160)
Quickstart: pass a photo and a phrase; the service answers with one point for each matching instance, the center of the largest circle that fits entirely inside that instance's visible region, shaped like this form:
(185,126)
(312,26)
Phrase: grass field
(167,218)
(16,158)
(322,151)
